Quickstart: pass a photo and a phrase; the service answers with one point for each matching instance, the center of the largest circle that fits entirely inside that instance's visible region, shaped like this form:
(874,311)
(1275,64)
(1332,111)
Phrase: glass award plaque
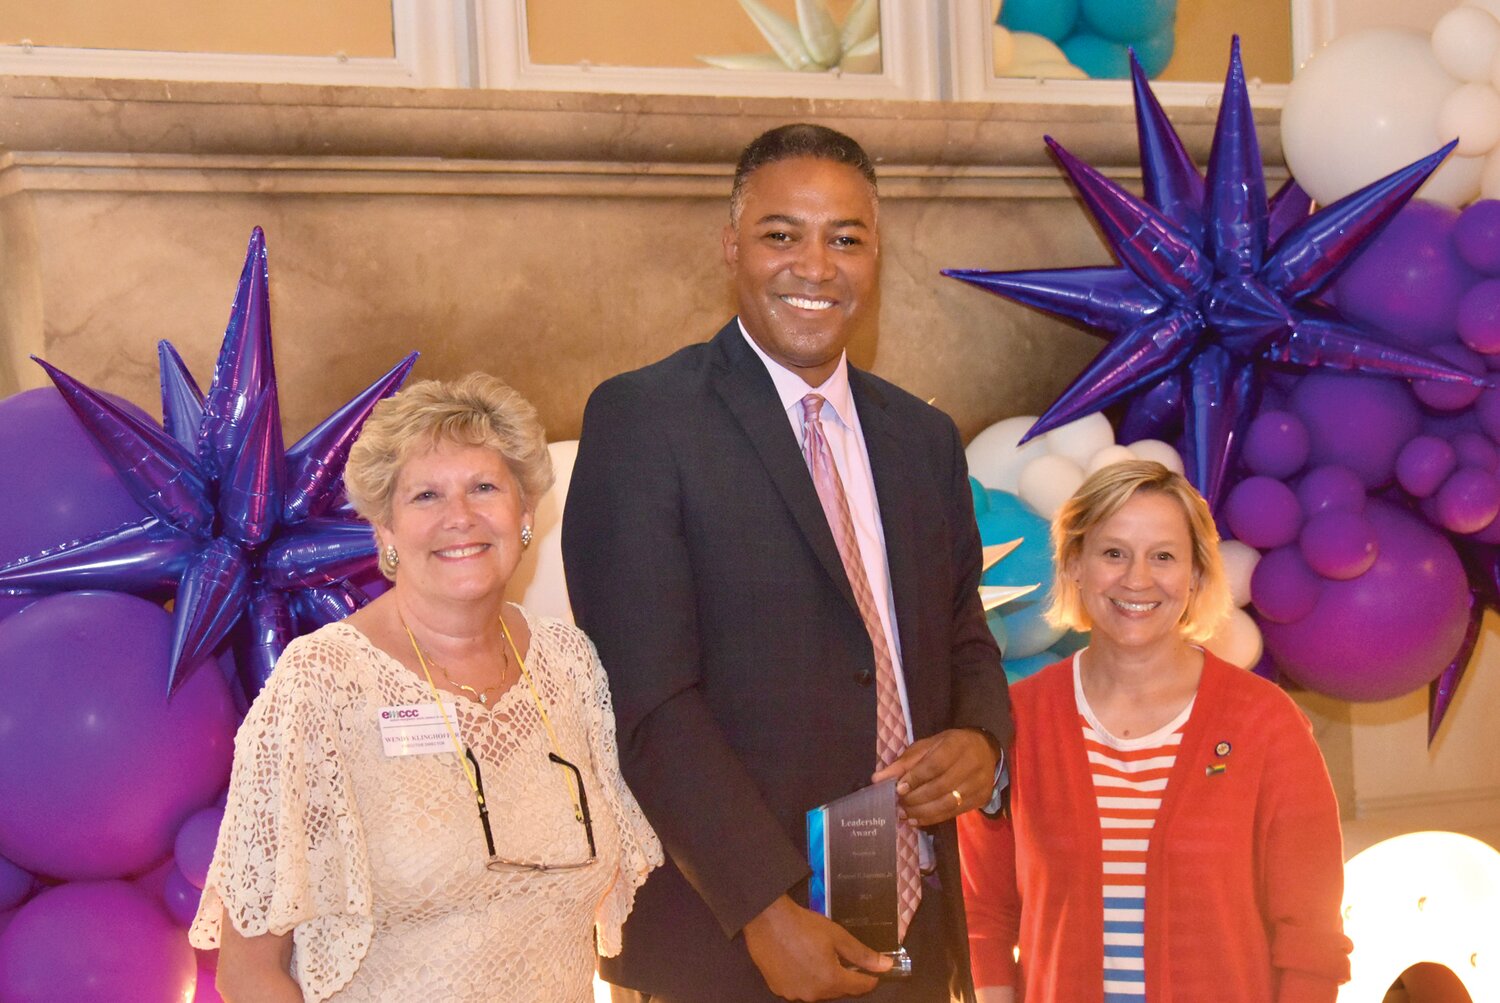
(851,845)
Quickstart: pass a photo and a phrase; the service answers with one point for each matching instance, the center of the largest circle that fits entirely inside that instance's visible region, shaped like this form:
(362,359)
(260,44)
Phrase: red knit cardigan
(1244,876)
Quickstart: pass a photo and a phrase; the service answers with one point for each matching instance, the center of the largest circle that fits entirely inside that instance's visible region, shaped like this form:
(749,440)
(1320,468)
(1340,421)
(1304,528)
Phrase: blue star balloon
(239,526)
(1216,285)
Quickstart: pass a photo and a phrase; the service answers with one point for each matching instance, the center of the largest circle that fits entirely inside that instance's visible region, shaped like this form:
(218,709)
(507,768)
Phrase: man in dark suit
(750,649)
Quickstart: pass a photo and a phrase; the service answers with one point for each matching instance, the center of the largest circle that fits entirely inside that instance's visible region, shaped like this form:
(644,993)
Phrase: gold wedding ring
(957,797)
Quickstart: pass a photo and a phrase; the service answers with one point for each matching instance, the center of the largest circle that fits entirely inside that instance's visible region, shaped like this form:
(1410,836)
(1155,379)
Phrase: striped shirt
(1130,775)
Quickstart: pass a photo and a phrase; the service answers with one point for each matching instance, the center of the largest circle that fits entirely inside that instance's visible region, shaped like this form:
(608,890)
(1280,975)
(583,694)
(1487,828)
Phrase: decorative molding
(47,123)
(430,42)
(1482,803)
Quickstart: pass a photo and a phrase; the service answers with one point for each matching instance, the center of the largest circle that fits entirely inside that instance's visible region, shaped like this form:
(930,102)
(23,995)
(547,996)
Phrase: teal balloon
(997,629)
(1006,518)
(1073,640)
(1156,52)
(977,494)
(1097,56)
(1127,21)
(1053,18)
(1017,669)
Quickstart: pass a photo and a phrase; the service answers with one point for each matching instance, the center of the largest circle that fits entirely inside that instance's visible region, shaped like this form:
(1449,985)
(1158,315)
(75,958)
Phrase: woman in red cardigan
(1172,834)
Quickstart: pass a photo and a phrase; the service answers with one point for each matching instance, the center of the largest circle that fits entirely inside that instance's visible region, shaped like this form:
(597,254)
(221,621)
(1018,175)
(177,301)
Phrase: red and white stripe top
(1130,775)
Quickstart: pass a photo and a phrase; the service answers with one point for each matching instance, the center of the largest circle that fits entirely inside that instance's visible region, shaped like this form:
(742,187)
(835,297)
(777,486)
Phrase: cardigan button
(864,677)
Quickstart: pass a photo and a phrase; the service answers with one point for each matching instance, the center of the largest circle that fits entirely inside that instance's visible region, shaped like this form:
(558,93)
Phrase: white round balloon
(1028,47)
(1004,49)
(1047,482)
(538,580)
(1454,184)
(1237,640)
(1489,177)
(1050,69)
(1161,452)
(994,458)
(1471,113)
(1465,41)
(1239,564)
(1364,106)
(1080,440)
(1106,456)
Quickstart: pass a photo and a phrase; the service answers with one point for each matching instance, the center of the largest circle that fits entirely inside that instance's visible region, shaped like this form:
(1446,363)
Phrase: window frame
(431,45)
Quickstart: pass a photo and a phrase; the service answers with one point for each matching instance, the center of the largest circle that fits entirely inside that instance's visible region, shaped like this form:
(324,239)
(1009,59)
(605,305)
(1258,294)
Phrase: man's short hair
(799,139)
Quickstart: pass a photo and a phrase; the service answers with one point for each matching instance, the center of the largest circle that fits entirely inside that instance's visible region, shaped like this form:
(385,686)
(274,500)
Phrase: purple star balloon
(1216,286)
(242,528)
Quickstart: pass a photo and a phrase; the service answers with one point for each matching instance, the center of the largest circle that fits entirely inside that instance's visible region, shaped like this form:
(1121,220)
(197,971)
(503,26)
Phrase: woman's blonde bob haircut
(1099,498)
(474,410)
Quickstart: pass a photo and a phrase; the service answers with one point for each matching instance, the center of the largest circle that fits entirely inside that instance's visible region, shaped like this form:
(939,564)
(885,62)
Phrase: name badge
(416,729)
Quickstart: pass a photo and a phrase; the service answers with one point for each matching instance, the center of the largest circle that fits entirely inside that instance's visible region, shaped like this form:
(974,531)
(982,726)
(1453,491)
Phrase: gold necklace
(481,694)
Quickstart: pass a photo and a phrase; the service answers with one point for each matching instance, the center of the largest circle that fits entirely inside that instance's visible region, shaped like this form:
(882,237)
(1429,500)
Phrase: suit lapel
(885,442)
(745,387)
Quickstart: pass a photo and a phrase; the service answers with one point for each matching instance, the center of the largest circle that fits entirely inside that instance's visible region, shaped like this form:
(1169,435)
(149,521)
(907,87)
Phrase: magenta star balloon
(241,527)
(1216,286)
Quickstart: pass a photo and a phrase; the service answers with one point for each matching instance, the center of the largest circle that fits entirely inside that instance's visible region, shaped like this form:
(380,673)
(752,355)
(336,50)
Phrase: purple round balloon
(98,769)
(1276,444)
(1487,411)
(1387,632)
(194,847)
(1423,464)
(1445,396)
(1474,449)
(95,942)
(1359,422)
(1409,280)
(1489,534)
(1282,586)
(180,897)
(154,881)
(16,884)
(1331,488)
(57,487)
(1476,236)
(1478,320)
(1468,501)
(1338,545)
(1262,512)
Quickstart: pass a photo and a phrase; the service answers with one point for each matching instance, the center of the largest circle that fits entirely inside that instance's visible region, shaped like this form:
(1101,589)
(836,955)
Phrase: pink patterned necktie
(890,723)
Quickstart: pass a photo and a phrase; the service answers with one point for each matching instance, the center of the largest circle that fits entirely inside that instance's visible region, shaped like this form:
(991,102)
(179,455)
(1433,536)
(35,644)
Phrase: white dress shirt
(847,441)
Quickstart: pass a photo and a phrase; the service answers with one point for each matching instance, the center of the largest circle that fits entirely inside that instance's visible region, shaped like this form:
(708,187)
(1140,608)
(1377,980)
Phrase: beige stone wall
(555,239)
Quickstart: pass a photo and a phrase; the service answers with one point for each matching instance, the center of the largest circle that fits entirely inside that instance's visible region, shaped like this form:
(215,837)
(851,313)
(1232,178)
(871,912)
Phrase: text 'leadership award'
(851,845)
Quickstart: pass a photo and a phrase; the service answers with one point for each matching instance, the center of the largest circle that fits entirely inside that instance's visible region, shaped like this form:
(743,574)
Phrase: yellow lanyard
(453,734)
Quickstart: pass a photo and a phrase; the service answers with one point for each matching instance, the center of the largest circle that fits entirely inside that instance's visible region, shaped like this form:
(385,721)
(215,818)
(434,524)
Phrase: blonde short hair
(474,410)
(1099,498)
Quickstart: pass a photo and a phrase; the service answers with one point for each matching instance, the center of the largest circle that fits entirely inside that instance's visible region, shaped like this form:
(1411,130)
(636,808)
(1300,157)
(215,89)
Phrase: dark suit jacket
(700,562)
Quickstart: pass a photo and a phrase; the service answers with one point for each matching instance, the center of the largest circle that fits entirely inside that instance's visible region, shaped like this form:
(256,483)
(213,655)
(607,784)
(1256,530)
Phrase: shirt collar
(791,388)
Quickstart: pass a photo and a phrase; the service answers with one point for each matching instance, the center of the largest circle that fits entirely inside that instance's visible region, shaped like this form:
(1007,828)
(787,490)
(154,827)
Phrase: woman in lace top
(426,802)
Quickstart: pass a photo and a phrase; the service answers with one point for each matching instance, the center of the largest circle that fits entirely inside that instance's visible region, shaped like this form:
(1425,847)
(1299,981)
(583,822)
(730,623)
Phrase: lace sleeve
(291,853)
(640,850)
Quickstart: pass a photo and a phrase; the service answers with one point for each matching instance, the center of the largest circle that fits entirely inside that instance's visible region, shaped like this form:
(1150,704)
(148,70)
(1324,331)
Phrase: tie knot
(812,408)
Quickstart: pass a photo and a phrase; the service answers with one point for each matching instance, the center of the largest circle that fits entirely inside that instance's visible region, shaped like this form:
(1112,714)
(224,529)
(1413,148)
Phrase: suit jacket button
(864,677)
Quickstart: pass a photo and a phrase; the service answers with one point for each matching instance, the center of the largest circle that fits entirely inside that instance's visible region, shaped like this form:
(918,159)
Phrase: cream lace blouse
(377,865)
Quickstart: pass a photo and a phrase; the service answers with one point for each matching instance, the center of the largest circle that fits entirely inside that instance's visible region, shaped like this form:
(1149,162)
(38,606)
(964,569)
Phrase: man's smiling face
(804,260)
